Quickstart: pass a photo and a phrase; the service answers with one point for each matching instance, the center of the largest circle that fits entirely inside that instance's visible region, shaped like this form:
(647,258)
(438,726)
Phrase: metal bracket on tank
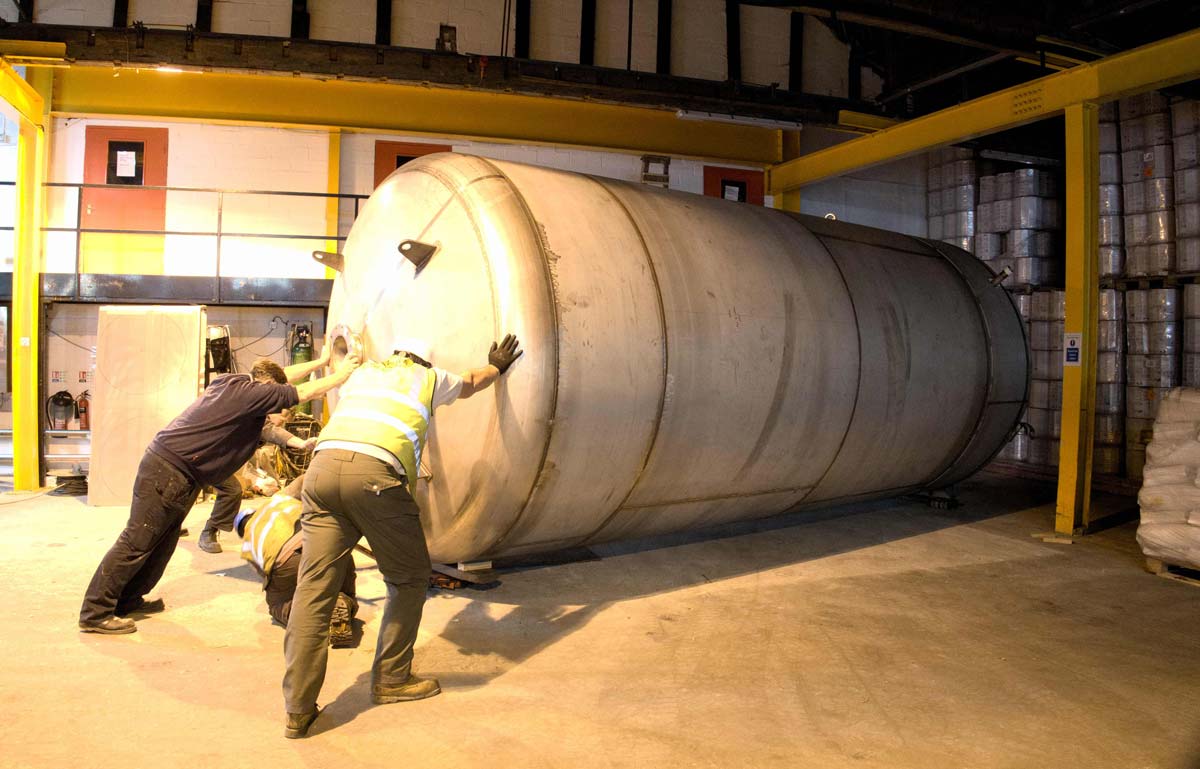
(330,259)
(417,252)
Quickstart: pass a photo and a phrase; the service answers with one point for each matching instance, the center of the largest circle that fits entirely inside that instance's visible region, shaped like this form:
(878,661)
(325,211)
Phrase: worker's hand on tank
(349,363)
(310,443)
(503,354)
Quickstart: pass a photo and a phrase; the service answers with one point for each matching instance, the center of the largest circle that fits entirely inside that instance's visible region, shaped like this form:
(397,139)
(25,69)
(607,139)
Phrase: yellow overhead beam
(35,52)
(18,93)
(351,105)
(1156,65)
(1073,510)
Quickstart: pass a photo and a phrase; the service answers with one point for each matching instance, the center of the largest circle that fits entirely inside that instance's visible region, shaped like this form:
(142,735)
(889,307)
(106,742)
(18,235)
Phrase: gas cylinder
(302,352)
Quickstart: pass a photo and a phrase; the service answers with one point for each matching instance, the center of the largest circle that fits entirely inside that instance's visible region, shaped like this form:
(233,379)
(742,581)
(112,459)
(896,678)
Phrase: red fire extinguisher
(81,411)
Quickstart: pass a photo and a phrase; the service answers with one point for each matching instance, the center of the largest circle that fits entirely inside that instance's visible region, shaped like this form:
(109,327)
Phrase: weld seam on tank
(989,334)
(457,192)
(666,369)
(858,384)
(553,299)
(989,340)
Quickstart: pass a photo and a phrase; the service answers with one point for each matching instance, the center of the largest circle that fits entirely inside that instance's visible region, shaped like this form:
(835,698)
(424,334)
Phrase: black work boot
(413,689)
(208,541)
(141,605)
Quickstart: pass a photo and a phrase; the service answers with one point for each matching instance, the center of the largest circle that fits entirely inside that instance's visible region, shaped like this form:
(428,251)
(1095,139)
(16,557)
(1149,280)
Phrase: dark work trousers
(282,585)
(346,496)
(162,497)
(225,507)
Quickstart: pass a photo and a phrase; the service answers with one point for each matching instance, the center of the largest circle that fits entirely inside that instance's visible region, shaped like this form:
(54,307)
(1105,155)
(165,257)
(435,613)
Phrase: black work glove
(502,356)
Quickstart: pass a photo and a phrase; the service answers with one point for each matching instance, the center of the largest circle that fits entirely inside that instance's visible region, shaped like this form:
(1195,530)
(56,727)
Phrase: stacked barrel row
(952,196)
(1019,220)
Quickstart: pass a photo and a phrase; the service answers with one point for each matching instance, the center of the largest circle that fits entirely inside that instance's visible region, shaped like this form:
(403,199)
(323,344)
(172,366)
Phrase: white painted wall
(554,30)
(698,39)
(766,45)
(612,30)
(826,64)
(347,21)
(218,157)
(83,13)
(271,18)
(890,196)
(176,14)
(478,24)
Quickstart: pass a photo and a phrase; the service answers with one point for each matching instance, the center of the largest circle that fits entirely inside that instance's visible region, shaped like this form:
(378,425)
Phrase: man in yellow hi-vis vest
(358,484)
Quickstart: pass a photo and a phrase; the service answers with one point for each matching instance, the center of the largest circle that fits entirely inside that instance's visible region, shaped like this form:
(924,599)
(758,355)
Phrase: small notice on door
(1072,345)
(126,163)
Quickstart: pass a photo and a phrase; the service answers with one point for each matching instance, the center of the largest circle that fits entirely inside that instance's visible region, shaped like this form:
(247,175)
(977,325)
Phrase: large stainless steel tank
(689,361)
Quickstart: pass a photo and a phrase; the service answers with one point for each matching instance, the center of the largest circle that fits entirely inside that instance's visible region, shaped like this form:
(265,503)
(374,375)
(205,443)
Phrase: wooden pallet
(1173,571)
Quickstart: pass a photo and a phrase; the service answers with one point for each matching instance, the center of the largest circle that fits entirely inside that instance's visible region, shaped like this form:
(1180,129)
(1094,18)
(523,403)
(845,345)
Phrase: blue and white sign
(1072,346)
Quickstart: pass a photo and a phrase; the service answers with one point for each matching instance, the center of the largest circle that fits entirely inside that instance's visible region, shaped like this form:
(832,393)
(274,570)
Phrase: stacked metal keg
(1191,335)
(1151,365)
(1111,230)
(1048,311)
(1019,216)
(951,200)
(1148,179)
(1109,437)
(1185,126)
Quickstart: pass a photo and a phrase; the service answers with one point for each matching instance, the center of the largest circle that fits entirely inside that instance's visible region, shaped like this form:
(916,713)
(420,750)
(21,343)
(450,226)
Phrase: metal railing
(219,233)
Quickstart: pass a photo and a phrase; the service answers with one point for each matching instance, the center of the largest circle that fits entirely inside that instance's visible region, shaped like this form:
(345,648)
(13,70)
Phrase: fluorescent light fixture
(161,68)
(721,117)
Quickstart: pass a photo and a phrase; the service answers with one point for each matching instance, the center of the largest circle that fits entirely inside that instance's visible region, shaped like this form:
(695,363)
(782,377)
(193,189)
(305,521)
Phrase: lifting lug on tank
(330,259)
(417,252)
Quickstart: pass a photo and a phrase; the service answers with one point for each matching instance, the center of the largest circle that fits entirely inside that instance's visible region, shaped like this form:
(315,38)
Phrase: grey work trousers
(347,496)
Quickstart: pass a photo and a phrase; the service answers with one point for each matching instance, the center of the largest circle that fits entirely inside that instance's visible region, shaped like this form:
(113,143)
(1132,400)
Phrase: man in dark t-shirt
(204,445)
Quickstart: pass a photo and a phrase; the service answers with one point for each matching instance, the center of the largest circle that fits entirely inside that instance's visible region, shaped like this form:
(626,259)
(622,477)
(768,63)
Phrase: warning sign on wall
(1072,347)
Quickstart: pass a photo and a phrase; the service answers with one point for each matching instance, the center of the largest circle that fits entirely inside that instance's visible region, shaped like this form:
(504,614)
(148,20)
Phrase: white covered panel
(149,367)
(253,17)
(82,13)
(176,14)
(766,45)
(349,21)
(826,64)
(698,39)
(554,30)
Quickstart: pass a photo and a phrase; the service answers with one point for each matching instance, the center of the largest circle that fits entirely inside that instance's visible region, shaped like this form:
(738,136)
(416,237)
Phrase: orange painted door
(734,184)
(125,160)
(391,155)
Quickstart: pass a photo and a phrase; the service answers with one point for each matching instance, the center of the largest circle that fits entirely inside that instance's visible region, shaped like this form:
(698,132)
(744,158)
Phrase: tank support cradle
(943,499)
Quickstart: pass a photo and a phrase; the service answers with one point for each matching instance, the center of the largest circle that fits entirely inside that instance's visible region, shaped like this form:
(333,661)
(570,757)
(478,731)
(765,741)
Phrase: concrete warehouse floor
(879,635)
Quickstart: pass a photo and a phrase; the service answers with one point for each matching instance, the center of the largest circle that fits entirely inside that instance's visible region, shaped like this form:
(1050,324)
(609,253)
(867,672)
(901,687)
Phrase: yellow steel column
(27,261)
(333,187)
(1079,344)
(788,200)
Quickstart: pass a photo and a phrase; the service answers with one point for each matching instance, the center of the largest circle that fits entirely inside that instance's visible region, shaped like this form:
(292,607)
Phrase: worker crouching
(272,543)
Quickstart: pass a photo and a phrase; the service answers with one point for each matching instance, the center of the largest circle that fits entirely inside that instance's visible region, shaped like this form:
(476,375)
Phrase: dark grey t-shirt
(215,435)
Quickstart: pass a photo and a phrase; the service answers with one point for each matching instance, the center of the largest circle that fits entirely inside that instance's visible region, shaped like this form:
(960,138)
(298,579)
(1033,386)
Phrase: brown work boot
(413,689)
(341,633)
(298,723)
(110,626)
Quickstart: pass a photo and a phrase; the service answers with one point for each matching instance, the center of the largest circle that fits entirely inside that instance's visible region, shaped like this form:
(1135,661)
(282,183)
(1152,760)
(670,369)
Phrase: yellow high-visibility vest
(268,529)
(388,405)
